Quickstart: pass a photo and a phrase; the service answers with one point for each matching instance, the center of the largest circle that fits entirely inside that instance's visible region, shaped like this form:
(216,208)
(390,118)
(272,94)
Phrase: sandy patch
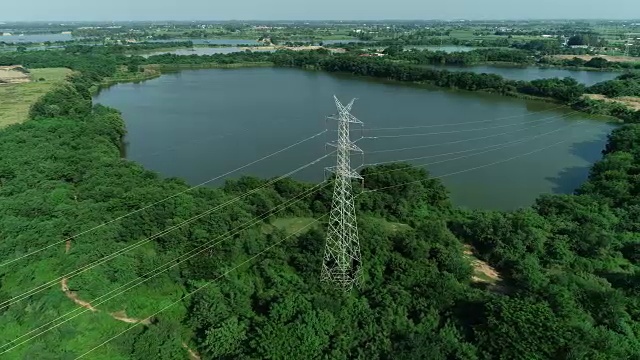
(15,74)
(483,272)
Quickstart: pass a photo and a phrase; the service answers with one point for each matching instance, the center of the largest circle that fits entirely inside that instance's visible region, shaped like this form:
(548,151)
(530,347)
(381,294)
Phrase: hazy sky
(314,9)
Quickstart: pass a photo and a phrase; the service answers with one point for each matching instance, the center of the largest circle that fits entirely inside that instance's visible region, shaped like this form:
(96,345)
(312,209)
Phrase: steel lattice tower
(341,264)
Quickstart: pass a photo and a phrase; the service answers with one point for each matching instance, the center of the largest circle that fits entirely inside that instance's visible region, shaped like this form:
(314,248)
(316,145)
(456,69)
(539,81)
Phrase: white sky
(91,10)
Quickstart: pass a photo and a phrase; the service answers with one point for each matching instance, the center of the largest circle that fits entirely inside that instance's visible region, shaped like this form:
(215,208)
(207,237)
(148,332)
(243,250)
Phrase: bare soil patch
(122,316)
(73,296)
(483,272)
(14,74)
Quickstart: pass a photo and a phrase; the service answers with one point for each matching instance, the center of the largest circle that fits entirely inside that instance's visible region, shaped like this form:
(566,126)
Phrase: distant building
(547,36)
(66,33)
(579,46)
(6,34)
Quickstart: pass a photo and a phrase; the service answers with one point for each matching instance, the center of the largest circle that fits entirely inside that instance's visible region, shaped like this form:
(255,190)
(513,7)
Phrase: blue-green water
(528,73)
(199,124)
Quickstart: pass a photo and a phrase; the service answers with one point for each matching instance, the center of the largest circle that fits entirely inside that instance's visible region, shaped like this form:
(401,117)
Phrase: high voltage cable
(145,241)
(463,123)
(206,138)
(464,140)
(497,146)
(250,259)
(153,273)
(277,243)
(202,287)
(160,201)
(457,131)
(467,170)
(155,153)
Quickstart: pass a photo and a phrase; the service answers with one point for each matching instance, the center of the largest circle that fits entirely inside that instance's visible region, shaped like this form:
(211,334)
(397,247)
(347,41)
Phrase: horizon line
(330,20)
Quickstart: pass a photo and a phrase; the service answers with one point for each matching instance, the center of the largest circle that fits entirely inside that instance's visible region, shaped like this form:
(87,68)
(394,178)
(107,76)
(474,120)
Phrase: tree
(159,341)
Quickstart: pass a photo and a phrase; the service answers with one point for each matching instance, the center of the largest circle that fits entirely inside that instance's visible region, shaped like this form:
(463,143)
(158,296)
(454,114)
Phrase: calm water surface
(202,51)
(229,42)
(513,73)
(529,73)
(445,48)
(36,38)
(202,123)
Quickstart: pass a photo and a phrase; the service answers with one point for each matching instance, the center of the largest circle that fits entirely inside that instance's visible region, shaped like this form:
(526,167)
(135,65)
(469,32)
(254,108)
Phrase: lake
(230,42)
(254,42)
(528,73)
(36,38)
(201,51)
(508,72)
(445,48)
(199,124)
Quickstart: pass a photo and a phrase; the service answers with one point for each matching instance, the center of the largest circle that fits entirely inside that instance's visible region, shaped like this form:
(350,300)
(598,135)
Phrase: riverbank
(152,71)
(87,59)
(149,72)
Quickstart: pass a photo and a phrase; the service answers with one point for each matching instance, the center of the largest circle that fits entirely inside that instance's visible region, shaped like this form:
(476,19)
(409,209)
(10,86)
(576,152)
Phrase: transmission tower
(341,264)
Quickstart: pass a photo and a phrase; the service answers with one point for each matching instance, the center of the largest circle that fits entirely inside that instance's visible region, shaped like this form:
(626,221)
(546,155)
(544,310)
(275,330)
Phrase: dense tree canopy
(568,266)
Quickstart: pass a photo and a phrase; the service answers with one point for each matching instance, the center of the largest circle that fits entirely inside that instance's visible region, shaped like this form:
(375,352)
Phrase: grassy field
(607,57)
(289,225)
(628,101)
(16,99)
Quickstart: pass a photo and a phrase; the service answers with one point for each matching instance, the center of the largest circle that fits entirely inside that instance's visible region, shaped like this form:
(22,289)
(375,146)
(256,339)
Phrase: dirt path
(192,354)
(73,296)
(118,315)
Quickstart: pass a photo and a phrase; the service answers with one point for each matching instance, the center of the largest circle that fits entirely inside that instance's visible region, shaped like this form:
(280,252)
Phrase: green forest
(569,284)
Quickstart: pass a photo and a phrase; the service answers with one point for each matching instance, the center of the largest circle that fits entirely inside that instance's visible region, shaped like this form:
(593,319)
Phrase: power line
(153,273)
(145,241)
(203,286)
(466,123)
(463,140)
(467,170)
(160,201)
(270,247)
(455,131)
(498,147)
(208,138)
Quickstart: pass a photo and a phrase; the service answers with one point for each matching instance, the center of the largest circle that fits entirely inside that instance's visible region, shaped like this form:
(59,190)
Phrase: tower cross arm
(349,145)
(346,173)
(345,117)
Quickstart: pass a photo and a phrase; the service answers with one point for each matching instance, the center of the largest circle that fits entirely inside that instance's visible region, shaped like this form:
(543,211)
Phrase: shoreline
(157,70)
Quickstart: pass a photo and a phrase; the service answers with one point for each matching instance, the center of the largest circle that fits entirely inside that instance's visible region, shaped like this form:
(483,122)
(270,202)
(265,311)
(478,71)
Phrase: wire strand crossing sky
(128,10)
